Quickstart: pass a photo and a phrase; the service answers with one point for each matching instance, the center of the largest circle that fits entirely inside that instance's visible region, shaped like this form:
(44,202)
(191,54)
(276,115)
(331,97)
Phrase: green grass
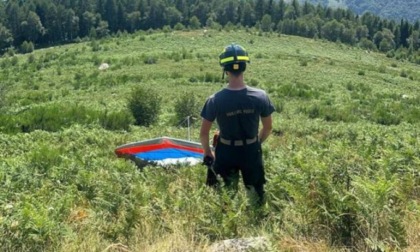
(342,163)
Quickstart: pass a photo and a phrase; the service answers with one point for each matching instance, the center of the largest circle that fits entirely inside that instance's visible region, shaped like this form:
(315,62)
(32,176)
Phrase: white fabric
(174,161)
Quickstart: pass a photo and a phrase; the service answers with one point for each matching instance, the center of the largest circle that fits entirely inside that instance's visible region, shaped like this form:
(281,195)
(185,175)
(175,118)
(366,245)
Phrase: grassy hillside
(342,162)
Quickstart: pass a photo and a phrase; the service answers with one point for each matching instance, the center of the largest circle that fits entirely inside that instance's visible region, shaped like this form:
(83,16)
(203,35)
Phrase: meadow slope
(342,163)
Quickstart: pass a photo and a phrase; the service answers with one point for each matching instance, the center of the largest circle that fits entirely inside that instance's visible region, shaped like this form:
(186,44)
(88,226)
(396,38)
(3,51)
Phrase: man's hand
(211,179)
(267,126)
(208,153)
(208,161)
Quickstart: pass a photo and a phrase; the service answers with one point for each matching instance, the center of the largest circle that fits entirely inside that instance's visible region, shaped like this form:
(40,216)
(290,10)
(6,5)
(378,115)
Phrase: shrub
(403,74)
(278,106)
(412,115)
(166,29)
(390,54)
(298,90)
(303,62)
(176,75)
(367,44)
(31,59)
(150,60)
(350,86)
(14,61)
(382,69)
(259,55)
(8,124)
(117,120)
(96,60)
(179,27)
(176,56)
(210,77)
(53,118)
(253,82)
(194,23)
(2,95)
(95,46)
(314,111)
(27,47)
(187,105)
(185,54)
(416,60)
(44,158)
(144,104)
(229,26)
(383,115)
(10,51)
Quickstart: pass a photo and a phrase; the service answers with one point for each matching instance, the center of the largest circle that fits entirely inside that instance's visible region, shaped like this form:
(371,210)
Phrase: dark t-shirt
(237,112)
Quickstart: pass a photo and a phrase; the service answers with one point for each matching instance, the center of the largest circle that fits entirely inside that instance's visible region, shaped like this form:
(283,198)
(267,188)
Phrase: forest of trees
(25,24)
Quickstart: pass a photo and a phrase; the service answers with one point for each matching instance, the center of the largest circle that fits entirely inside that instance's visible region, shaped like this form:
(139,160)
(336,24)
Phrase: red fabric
(163,145)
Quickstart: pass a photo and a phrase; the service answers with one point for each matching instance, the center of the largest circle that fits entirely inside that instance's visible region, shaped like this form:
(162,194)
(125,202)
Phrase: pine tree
(6,38)
(416,26)
(121,22)
(32,27)
(281,9)
(248,15)
(71,25)
(200,10)
(110,15)
(296,6)
(156,15)
(404,33)
(307,8)
(14,19)
(259,9)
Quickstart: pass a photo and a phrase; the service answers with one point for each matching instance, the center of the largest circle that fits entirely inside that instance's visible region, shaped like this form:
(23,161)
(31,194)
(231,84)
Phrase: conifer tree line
(49,22)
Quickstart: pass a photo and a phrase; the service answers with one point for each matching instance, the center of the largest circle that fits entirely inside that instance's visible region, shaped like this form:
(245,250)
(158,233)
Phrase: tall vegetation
(341,165)
(2,95)
(47,22)
(187,109)
(144,104)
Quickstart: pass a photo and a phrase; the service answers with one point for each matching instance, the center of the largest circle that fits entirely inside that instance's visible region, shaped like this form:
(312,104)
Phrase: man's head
(233,59)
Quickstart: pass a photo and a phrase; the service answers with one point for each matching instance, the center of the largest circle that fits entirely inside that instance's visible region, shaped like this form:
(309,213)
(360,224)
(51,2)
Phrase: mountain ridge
(389,9)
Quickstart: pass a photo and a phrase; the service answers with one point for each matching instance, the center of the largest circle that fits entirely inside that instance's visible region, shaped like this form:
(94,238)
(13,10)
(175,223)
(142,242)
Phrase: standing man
(238,110)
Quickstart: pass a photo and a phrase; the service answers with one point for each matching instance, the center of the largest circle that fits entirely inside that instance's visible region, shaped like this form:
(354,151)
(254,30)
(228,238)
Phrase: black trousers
(247,160)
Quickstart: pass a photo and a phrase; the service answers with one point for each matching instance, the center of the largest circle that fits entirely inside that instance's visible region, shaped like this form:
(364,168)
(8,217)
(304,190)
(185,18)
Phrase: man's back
(237,111)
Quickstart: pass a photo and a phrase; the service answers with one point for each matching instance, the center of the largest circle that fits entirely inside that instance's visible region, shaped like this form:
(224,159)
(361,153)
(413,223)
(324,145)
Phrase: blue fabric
(167,153)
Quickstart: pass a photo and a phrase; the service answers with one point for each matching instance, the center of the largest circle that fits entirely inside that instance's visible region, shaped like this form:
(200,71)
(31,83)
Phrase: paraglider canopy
(162,151)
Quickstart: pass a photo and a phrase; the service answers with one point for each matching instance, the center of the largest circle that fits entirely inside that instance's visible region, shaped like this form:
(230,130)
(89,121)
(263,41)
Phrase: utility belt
(238,142)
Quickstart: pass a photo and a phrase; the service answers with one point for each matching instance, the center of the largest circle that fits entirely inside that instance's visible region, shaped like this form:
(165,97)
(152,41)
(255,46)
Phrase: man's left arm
(267,126)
